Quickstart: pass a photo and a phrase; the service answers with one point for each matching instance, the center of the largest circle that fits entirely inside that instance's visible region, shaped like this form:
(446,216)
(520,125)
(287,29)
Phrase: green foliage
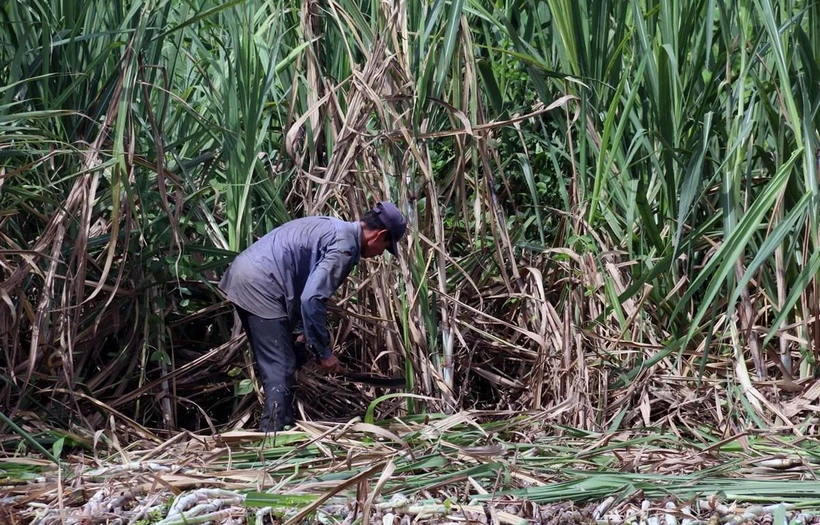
(665,201)
(155,516)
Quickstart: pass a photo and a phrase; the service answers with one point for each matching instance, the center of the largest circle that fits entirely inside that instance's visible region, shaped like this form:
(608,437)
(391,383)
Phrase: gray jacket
(292,271)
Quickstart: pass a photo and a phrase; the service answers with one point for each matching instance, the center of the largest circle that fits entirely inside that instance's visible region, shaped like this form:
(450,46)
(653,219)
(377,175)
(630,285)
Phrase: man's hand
(331,365)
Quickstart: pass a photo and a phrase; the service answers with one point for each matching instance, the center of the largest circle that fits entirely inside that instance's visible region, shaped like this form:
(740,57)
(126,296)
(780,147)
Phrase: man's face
(376,244)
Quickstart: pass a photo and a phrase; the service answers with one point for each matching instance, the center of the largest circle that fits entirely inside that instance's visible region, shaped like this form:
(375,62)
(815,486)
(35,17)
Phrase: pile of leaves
(478,467)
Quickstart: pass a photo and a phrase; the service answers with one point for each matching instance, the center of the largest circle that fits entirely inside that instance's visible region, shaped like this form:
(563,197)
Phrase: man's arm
(324,280)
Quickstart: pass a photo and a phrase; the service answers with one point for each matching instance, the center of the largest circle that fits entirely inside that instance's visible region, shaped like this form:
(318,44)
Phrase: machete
(371,379)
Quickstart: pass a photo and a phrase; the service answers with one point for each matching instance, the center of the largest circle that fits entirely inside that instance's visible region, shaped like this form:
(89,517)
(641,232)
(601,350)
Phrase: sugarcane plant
(605,199)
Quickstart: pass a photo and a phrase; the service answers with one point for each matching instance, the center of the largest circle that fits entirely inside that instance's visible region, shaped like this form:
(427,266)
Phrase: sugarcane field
(410,262)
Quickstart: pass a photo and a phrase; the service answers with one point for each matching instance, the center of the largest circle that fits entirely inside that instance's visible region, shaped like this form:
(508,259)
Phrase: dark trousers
(277,359)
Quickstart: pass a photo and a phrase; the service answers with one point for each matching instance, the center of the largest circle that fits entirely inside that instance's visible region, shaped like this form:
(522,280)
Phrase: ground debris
(418,472)
(565,513)
(224,507)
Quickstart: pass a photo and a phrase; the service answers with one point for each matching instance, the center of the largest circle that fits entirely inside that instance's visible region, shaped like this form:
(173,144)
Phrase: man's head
(382,228)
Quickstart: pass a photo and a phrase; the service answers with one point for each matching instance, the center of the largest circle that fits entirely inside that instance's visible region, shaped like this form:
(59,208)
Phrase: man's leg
(271,342)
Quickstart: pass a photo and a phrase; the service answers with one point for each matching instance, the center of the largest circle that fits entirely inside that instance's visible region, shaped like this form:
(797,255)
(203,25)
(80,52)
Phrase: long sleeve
(326,277)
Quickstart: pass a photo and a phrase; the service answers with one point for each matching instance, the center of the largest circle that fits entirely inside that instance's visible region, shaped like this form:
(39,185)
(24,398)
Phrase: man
(280,284)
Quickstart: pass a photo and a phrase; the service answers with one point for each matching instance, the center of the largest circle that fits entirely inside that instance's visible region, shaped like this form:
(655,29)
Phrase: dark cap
(394,221)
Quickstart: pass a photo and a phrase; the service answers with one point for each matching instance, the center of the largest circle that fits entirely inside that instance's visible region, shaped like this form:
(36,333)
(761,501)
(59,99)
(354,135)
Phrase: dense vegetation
(613,204)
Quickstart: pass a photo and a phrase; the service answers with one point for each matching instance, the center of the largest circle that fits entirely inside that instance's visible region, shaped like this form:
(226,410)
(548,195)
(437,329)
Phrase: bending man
(280,285)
